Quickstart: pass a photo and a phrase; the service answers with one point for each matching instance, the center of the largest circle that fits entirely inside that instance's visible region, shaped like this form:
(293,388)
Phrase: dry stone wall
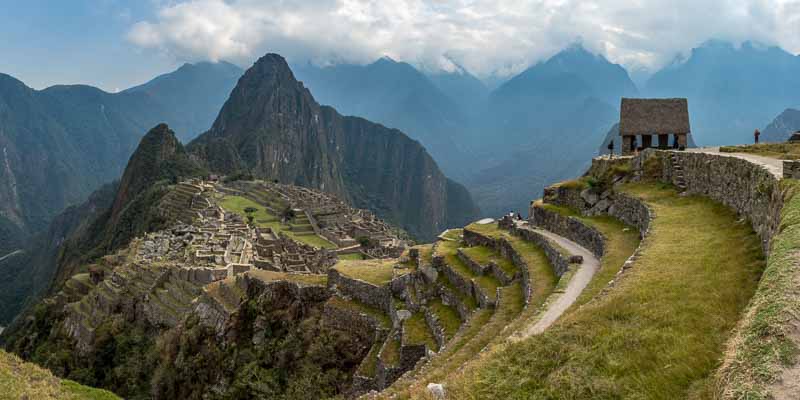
(570,228)
(379,297)
(749,189)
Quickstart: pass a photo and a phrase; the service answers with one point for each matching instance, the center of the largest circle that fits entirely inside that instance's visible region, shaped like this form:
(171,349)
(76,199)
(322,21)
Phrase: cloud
(485,36)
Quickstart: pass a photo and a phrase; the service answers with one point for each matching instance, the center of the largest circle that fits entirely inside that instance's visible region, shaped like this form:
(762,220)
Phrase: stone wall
(379,297)
(506,250)
(749,189)
(559,260)
(570,228)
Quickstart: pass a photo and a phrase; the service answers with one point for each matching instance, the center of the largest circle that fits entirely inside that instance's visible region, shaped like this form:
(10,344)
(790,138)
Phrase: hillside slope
(21,380)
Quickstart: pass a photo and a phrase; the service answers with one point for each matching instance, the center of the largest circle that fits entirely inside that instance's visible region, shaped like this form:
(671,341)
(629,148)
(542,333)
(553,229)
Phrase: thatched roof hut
(654,117)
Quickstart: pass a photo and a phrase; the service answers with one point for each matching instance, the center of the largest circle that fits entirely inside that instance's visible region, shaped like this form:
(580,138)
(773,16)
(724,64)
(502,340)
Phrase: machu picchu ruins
(421,200)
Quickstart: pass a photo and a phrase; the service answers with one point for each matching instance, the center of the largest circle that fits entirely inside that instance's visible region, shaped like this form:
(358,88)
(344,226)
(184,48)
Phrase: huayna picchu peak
(271,127)
(360,200)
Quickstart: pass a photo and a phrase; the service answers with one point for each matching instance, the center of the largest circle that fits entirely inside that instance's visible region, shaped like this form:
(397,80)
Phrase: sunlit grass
(658,334)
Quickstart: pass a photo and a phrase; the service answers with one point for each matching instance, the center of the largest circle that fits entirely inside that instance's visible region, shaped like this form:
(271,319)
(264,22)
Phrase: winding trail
(574,288)
(773,165)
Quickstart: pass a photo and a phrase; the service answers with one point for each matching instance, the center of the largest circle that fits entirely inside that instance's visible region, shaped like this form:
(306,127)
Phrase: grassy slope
(376,272)
(659,333)
(781,151)
(18,379)
(484,329)
(621,242)
(265,219)
(766,339)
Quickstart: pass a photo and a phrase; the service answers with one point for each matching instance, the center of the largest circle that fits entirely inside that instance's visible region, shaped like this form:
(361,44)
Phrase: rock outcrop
(272,127)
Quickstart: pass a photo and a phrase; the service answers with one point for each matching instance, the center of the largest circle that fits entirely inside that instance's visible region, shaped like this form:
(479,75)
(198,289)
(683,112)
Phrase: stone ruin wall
(570,228)
(749,189)
(379,297)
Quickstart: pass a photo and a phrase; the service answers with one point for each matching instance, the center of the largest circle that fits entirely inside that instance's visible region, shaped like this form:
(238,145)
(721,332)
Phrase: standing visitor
(756,134)
(611,149)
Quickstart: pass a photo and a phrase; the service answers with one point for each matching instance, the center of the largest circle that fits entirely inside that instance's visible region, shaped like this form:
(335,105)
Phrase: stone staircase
(677,173)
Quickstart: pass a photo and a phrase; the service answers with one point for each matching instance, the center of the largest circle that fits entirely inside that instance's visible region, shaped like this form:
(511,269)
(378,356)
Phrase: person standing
(611,149)
(756,134)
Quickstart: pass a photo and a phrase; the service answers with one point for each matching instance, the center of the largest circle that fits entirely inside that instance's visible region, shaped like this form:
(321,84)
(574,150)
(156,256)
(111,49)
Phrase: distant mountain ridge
(61,143)
(272,127)
(731,90)
(782,127)
(399,96)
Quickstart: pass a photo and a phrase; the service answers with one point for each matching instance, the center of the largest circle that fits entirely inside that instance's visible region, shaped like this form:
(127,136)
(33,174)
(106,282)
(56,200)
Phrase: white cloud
(484,36)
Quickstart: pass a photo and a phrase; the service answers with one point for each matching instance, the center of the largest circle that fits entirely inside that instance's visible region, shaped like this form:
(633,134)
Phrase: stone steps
(481,287)
(678,177)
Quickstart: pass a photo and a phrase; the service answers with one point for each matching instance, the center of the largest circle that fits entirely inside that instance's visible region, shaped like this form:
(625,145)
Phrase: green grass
(269,276)
(781,151)
(351,256)
(369,364)
(763,343)
(484,255)
(391,352)
(658,334)
(621,242)
(264,219)
(448,318)
(482,329)
(19,379)
(361,308)
(416,331)
(466,300)
(448,249)
(376,272)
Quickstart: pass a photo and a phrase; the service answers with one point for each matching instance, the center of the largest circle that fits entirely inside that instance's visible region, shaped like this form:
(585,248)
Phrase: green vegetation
(764,343)
(621,242)
(351,256)
(659,333)
(781,151)
(359,307)
(391,352)
(263,218)
(376,272)
(19,380)
(416,331)
(448,318)
(448,250)
(269,276)
(369,365)
(484,255)
(483,329)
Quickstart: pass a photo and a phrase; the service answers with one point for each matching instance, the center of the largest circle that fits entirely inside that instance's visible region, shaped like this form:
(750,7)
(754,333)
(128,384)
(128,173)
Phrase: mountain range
(503,140)
(63,142)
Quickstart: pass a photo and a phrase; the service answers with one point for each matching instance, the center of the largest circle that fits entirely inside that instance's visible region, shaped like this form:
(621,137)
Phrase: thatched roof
(653,116)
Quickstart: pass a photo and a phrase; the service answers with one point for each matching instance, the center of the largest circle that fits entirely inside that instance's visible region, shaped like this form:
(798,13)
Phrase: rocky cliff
(272,127)
(782,127)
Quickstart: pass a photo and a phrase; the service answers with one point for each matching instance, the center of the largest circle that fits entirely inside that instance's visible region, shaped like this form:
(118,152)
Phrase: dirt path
(574,288)
(773,165)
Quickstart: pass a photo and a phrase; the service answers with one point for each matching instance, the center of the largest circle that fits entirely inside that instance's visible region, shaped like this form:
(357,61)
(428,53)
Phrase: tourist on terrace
(611,149)
(756,134)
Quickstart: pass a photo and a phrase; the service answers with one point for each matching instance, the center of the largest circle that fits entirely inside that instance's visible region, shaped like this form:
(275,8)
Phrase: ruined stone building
(641,119)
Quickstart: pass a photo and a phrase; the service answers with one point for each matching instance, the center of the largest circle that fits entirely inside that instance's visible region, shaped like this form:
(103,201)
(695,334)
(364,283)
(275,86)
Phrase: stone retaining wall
(436,327)
(379,297)
(749,189)
(570,228)
(449,298)
(558,260)
(506,250)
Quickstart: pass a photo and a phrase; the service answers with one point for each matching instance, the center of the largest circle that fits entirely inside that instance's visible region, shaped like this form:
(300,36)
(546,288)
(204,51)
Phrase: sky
(115,44)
